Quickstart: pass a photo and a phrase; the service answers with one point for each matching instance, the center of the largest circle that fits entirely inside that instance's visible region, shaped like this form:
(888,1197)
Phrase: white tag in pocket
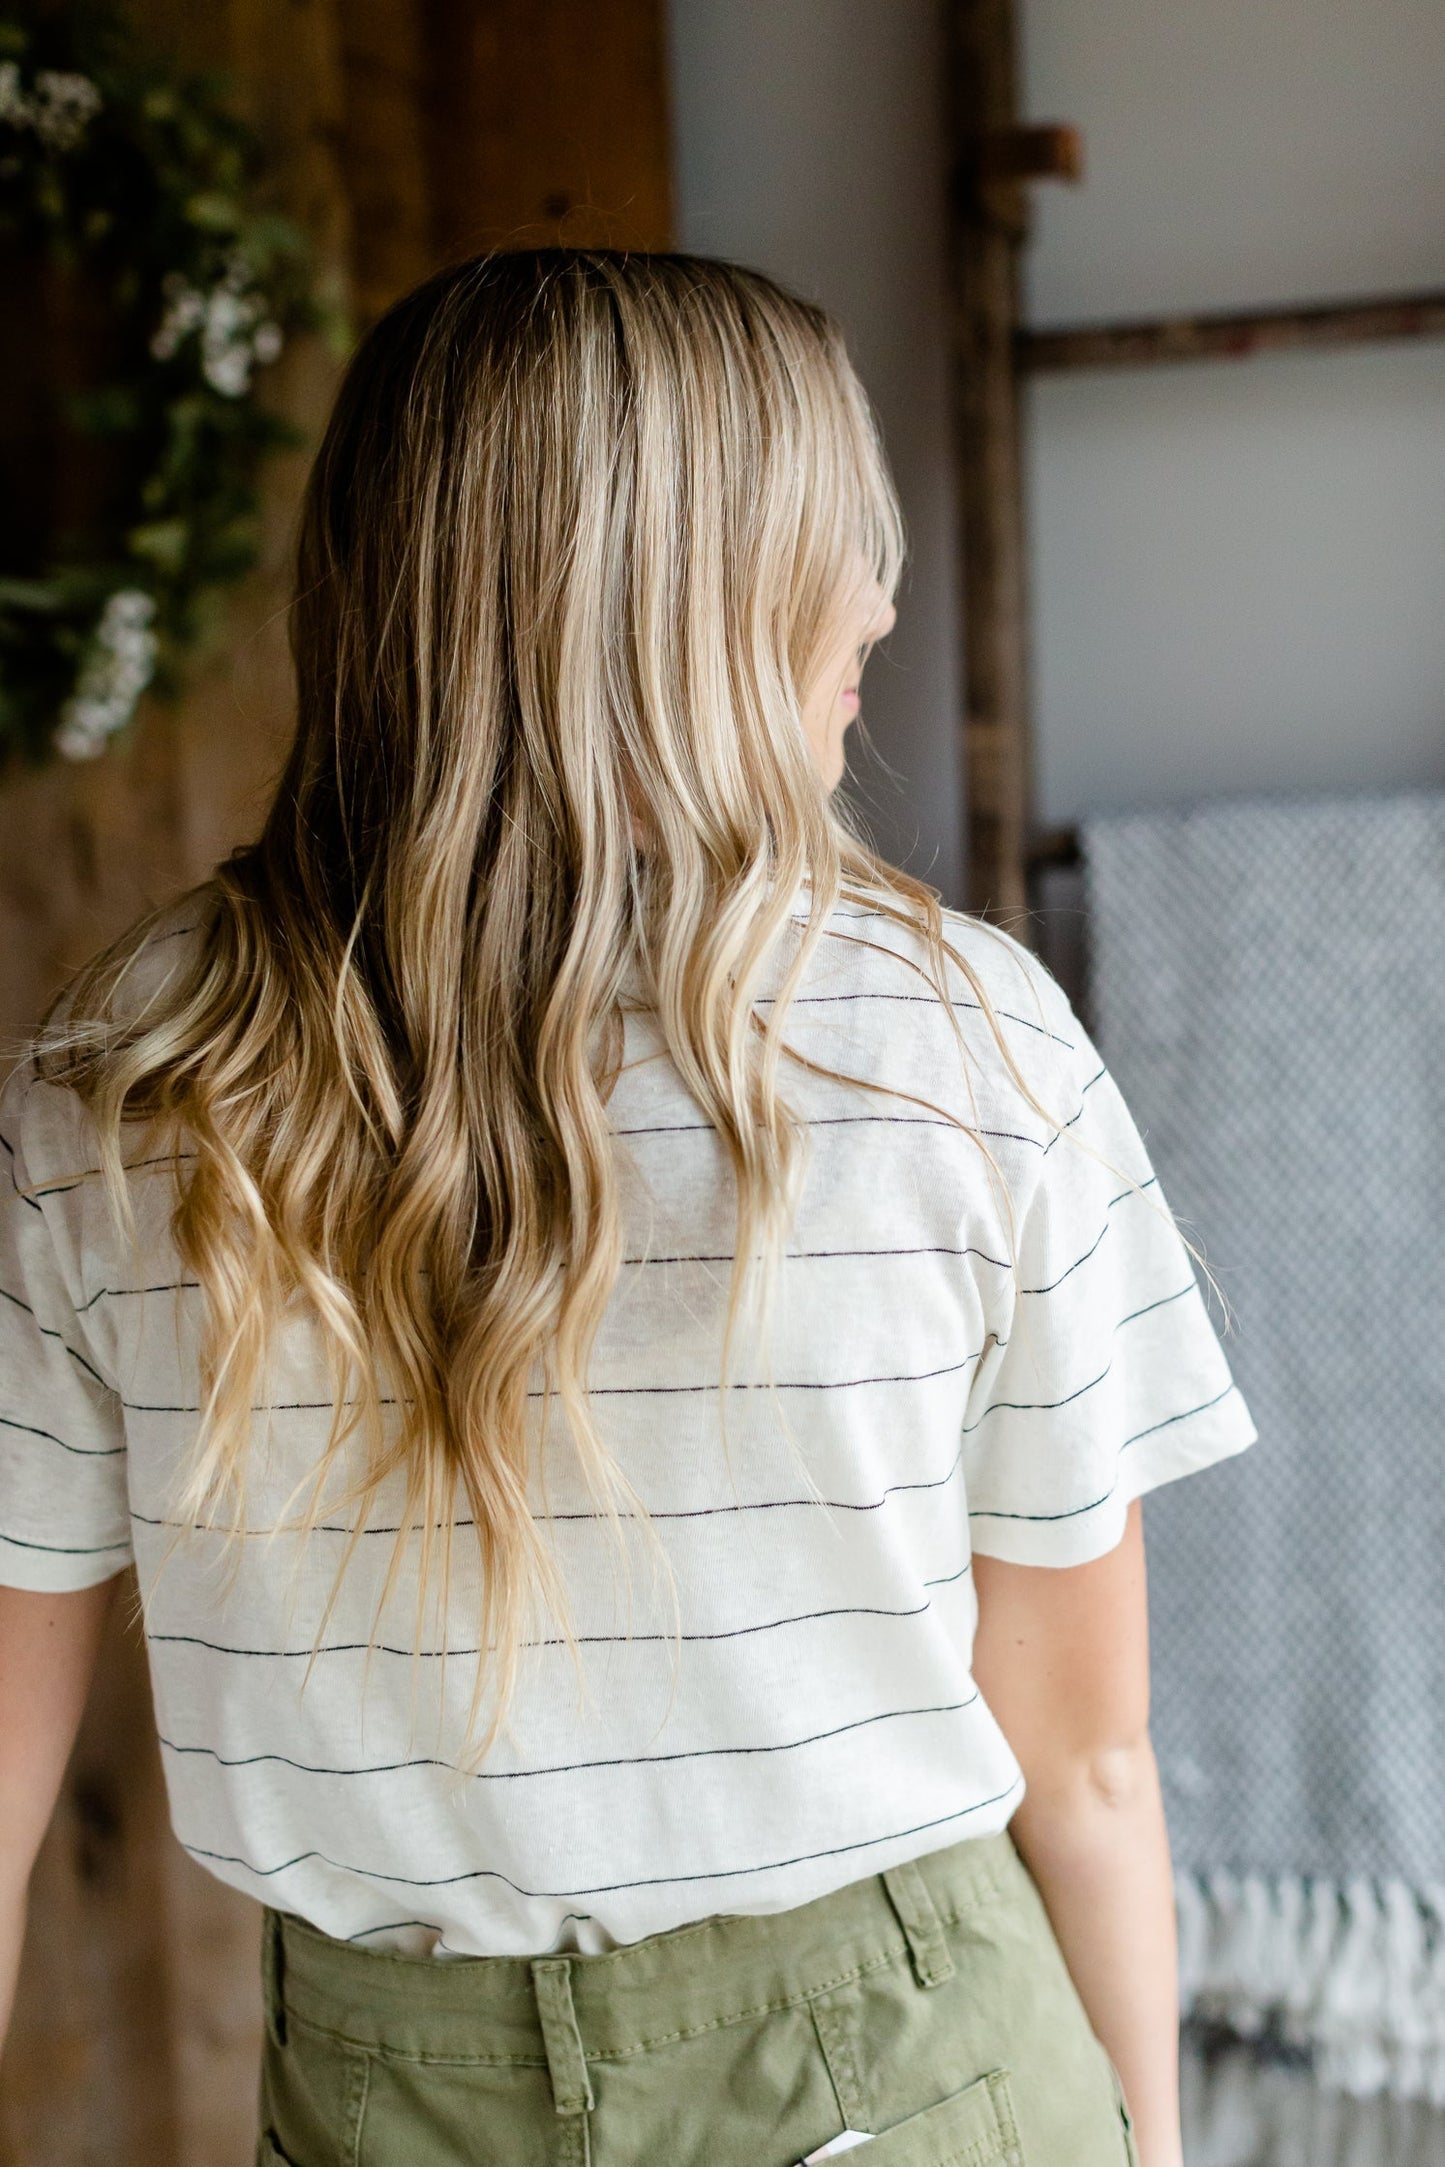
(844,2142)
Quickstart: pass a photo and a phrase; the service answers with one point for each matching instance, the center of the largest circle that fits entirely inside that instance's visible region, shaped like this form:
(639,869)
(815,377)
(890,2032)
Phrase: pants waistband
(563,2011)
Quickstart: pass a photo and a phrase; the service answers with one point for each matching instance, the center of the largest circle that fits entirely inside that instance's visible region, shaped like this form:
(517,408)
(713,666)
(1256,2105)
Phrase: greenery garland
(117,171)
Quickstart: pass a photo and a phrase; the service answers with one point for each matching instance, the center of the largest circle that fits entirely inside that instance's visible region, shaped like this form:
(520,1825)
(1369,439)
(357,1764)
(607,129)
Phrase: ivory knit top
(931,1397)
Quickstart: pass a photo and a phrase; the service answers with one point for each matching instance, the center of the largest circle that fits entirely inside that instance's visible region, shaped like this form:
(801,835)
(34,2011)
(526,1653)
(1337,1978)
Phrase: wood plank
(1233,337)
(136,2038)
(138,2026)
(548,123)
(383,55)
(989,224)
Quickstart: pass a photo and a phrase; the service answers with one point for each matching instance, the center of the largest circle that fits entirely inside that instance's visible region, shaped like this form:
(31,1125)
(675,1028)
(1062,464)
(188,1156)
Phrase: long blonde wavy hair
(578,537)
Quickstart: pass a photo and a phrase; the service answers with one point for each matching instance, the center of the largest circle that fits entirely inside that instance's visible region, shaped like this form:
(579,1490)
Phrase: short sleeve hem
(1091,1530)
(36,1569)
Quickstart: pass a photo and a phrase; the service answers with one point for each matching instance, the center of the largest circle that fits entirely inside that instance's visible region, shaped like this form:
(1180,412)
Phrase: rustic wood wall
(404,133)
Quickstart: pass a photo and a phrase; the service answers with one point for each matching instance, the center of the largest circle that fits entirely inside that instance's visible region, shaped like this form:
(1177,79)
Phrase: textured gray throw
(1268,986)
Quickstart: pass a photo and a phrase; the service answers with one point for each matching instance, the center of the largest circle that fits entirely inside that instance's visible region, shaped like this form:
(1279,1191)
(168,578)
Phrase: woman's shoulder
(157,948)
(1001,993)
(45,1125)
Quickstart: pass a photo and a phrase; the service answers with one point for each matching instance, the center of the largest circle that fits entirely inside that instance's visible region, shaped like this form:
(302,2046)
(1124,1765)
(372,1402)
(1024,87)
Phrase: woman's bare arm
(1062,1658)
(48,1646)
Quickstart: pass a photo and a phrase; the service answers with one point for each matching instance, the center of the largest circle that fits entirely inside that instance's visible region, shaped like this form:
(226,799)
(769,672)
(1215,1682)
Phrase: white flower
(60,111)
(14,107)
(235,331)
(63,107)
(119,663)
(185,312)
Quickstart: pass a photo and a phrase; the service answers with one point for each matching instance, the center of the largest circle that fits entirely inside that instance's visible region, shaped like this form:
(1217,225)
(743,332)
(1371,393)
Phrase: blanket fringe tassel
(1353,1971)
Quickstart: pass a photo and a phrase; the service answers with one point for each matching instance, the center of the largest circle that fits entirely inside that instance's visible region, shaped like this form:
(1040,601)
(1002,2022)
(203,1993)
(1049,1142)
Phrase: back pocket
(972,2128)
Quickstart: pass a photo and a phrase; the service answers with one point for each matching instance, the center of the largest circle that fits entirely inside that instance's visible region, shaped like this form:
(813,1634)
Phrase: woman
(626,1343)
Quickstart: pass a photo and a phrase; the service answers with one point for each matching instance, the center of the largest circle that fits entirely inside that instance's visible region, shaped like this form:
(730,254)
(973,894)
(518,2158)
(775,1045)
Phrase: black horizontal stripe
(789,1384)
(1168,1421)
(883,917)
(721,1256)
(841,1121)
(48,1331)
(802,1256)
(67,1549)
(275,1407)
(583,1918)
(1162,1303)
(82,1452)
(24,1197)
(978,1512)
(763,1507)
(1078,1115)
(130,1166)
(584,1640)
(394,1926)
(778,1504)
(164,1286)
(619,1391)
(1044,1406)
(603,1888)
(572,1768)
(724,1256)
(681,1512)
(1050,1284)
(996,1407)
(794,1256)
(917,1000)
(929,1249)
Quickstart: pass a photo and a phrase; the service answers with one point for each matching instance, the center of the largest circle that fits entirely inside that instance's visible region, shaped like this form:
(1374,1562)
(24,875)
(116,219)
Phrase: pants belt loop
(922,1927)
(273,1976)
(566,2062)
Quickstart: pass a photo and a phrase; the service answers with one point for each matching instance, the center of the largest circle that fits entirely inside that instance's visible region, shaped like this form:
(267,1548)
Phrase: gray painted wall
(810,143)
(1238,569)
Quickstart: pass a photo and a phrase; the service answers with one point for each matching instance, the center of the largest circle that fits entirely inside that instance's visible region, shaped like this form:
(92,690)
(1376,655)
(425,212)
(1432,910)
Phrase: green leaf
(214,213)
(108,410)
(166,182)
(31,595)
(161,542)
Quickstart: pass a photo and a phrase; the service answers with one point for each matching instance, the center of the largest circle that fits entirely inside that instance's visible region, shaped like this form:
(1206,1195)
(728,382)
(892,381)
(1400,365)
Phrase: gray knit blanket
(1268,986)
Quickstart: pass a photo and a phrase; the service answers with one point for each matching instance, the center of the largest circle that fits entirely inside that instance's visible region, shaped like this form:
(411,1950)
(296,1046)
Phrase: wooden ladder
(996,156)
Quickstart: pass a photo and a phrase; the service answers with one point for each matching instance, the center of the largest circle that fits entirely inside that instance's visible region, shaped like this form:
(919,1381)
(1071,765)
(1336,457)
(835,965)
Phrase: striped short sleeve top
(800,1710)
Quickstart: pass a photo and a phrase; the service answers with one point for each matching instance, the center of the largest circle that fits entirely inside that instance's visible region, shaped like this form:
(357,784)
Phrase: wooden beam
(1052,848)
(548,123)
(1234,337)
(989,223)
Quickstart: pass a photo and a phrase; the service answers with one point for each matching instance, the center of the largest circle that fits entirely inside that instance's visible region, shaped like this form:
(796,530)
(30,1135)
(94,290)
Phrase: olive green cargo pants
(929,2004)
